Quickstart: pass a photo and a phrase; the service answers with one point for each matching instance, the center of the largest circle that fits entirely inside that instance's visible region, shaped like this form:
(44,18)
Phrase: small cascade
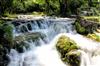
(42,52)
(42,25)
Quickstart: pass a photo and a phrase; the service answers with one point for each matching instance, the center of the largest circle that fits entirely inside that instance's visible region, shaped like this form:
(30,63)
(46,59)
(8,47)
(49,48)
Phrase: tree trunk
(47,6)
(63,7)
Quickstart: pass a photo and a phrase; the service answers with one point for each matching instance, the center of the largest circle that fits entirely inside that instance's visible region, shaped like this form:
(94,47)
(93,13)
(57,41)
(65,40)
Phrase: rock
(85,27)
(29,36)
(21,42)
(65,46)
(24,29)
(73,58)
(21,47)
(94,36)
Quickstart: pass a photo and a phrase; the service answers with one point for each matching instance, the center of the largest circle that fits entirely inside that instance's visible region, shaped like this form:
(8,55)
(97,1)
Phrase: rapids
(46,54)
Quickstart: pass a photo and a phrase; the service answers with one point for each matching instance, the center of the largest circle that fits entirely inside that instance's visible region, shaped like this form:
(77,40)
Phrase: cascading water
(46,54)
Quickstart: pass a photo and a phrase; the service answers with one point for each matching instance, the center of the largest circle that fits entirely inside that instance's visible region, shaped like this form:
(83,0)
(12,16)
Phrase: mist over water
(46,54)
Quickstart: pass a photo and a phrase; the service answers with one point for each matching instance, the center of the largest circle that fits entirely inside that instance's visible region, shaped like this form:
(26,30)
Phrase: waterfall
(45,54)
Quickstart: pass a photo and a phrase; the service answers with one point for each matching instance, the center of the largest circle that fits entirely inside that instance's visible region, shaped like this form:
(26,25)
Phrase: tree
(5,6)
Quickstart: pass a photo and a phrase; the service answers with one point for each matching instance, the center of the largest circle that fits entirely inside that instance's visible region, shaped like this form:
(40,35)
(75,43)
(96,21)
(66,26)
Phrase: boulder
(65,47)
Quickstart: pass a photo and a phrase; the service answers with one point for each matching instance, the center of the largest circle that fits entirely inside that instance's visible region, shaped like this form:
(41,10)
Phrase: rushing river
(46,54)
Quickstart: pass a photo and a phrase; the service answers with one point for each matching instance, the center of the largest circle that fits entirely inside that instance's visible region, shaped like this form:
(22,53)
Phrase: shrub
(8,33)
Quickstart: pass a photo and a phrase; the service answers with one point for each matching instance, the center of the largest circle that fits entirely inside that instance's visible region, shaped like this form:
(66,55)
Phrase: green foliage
(8,33)
(75,4)
(18,6)
(50,7)
(5,6)
(1,22)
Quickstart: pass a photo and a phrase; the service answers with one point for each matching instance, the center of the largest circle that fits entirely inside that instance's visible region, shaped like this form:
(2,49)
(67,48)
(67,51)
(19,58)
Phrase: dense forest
(49,7)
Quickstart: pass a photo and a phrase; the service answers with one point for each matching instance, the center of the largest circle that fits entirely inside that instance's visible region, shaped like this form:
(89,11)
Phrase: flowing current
(46,54)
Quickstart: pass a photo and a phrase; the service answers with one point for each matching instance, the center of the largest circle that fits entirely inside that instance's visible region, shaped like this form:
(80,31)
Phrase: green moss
(80,29)
(94,37)
(92,18)
(65,45)
(38,13)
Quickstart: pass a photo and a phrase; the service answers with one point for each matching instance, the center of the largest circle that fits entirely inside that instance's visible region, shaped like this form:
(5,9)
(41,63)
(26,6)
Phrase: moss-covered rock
(80,29)
(94,36)
(85,27)
(65,46)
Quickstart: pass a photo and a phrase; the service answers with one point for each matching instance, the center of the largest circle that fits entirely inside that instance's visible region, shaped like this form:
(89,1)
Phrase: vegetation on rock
(94,37)
(92,18)
(65,47)
(88,28)
(79,27)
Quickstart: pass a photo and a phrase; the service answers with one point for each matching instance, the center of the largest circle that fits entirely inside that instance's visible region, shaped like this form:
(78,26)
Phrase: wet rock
(21,47)
(29,26)
(23,42)
(73,58)
(23,29)
(29,36)
(16,23)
